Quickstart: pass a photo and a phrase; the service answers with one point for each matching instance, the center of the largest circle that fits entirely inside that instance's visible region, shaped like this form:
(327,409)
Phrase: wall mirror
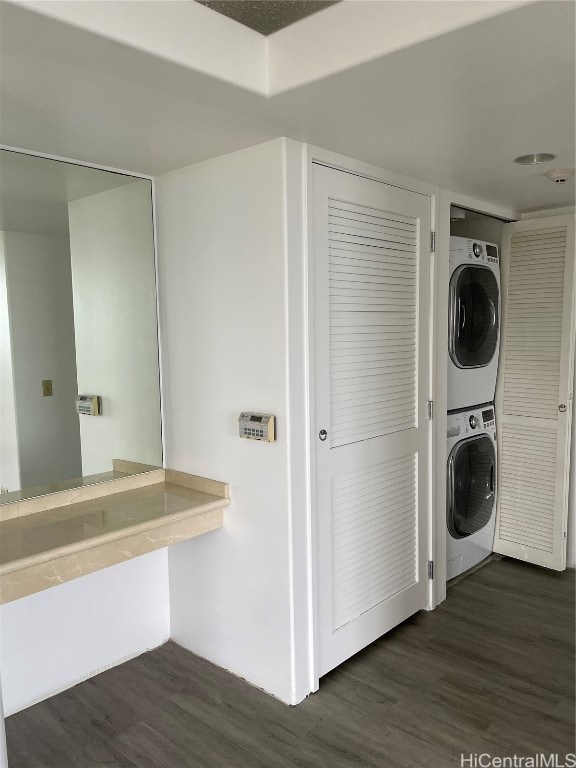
(77,318)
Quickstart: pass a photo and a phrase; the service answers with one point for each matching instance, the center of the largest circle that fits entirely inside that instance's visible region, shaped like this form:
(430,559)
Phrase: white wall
(51,640)
(9,463)
(41,319)
(113,276)
(223,251)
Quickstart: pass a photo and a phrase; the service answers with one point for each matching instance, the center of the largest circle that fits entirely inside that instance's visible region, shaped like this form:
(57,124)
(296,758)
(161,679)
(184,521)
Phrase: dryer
(474,322)
(471,488)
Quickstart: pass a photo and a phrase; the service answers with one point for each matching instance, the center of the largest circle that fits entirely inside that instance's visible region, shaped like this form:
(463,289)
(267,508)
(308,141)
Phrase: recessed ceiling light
(540,157)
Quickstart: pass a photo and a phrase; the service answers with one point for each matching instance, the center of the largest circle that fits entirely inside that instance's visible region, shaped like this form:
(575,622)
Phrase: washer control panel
(475,250)
(468,422)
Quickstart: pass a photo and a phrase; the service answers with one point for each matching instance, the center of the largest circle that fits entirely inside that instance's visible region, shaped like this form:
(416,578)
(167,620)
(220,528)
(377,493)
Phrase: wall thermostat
(89,405)
(257,426)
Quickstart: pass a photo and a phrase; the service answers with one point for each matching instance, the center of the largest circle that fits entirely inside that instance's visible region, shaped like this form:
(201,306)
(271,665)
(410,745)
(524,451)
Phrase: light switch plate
(47,387)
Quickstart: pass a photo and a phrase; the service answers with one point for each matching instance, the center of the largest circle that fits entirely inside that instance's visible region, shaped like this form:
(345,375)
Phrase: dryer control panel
(471,421)
(488,417)
(475,250)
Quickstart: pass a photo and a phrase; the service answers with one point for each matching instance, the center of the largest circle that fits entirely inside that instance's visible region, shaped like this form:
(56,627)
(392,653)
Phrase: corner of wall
(298,395)
(223,294)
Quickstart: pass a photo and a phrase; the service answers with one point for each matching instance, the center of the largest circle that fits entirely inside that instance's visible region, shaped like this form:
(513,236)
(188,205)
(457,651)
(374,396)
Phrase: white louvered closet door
(534,395)
(371,371)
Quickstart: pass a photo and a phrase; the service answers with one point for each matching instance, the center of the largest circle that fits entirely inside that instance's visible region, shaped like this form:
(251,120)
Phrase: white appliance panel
(471,488)
(474,322)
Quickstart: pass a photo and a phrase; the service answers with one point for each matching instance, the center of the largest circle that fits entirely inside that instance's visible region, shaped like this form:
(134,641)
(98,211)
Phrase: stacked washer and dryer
(474,335)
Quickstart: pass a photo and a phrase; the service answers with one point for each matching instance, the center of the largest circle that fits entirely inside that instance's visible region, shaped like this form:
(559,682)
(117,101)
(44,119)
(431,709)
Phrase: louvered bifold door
(534,393)
(370,365)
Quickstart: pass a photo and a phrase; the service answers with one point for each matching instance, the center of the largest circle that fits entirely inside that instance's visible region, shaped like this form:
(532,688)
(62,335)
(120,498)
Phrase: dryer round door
(471,485)
(473,316)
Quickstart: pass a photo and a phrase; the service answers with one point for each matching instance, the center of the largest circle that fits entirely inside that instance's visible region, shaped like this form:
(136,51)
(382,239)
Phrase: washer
(474,322)
(471,488)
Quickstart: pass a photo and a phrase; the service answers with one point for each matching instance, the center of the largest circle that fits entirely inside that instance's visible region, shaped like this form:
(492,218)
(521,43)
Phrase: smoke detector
(560,175)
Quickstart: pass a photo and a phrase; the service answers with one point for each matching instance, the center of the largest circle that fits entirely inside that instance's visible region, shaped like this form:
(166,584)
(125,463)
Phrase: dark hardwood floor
(490,671)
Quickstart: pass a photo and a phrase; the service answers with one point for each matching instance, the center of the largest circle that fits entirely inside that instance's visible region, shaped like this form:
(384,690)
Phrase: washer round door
(473,316)
(471,485)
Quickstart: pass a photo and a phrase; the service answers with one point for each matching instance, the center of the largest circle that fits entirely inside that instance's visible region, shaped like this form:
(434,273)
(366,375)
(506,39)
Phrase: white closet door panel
(528,486)
(380,251)
(534,397)
(371,367)
(366,556)
(534,309)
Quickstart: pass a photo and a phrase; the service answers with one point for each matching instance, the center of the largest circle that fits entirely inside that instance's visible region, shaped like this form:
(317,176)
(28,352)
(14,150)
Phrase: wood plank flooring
(490,671)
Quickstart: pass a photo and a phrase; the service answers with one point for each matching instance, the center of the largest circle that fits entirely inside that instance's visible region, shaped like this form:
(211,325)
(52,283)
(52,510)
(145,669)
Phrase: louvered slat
(374,537)
(363,213)
(527,489)
(373,293)
(534,323)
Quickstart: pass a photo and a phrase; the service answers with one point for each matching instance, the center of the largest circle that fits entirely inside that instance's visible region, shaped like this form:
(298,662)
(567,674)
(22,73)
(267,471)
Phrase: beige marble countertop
(58,544)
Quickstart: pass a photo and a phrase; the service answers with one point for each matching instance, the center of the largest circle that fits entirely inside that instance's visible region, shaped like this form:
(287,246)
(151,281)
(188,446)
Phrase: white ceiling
(453,110)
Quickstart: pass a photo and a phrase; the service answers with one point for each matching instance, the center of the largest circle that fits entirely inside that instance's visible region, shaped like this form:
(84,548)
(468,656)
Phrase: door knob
(322,434)
(562,408)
